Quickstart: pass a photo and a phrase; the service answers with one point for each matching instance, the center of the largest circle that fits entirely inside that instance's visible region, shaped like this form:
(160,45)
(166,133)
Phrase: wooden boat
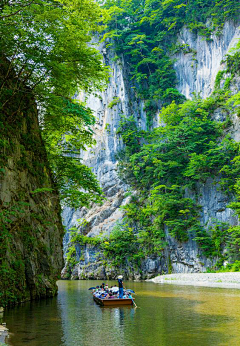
(113,301)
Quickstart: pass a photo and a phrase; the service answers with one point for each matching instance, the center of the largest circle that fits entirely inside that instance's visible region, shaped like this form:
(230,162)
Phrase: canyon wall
(196,70)
(31,230)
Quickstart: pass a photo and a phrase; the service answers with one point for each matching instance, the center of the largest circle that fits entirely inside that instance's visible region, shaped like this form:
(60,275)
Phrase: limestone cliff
(30,223)
(197,67)
(196,71)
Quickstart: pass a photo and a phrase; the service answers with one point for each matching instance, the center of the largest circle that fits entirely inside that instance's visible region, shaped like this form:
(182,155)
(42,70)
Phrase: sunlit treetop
(48,44)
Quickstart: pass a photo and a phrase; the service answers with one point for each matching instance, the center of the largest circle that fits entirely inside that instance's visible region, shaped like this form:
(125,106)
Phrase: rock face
(198,67)
(117,100)
(196,71)
(30,222)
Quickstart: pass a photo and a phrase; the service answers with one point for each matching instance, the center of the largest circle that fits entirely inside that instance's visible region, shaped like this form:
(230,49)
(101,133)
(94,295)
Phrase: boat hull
(113,302)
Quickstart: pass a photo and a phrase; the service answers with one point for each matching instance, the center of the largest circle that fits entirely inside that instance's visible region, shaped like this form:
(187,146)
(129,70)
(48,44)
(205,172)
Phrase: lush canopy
(48,46)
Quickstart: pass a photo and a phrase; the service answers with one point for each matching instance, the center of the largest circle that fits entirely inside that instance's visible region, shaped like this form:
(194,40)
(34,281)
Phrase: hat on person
(120,276)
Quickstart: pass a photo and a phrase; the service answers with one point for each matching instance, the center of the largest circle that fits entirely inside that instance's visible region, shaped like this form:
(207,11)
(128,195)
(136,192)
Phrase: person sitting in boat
(114,289)
(107,295)
(120,285)
(97,292)
(103,295)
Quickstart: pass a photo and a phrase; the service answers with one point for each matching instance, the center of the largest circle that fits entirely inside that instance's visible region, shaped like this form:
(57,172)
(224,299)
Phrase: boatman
(120,285)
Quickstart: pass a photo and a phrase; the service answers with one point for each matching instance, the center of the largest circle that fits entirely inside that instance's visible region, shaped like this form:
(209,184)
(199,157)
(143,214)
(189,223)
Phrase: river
(167,315)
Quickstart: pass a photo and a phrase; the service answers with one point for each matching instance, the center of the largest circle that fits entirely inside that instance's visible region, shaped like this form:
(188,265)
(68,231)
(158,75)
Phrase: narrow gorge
(119,122)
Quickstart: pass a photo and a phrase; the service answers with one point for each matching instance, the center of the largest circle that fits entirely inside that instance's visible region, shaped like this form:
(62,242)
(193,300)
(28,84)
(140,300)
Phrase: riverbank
(223,280)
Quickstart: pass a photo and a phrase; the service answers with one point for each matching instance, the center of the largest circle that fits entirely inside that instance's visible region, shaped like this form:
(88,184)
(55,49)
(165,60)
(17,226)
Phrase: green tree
(46,45)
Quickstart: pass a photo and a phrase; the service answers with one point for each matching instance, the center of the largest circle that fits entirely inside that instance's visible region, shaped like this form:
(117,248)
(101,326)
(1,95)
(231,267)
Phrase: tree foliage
(46,45)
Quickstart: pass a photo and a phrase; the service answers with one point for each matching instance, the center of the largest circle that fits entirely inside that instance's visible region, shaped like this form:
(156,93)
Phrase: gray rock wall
(102,157)
(196,72)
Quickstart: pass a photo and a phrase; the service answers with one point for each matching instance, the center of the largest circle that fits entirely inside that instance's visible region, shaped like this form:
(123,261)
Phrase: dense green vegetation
(46,45)
(145,32)
(166,167)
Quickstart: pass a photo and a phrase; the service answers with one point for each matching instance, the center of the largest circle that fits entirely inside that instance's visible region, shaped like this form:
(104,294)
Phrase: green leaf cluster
(122,246)
(114,102)
(67,131)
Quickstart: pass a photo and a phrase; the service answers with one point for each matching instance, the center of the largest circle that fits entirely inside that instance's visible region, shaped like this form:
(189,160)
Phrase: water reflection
(34,321)
(168,316)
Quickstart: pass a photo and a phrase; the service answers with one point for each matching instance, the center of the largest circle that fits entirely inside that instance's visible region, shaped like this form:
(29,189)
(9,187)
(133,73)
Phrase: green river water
(168,315)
